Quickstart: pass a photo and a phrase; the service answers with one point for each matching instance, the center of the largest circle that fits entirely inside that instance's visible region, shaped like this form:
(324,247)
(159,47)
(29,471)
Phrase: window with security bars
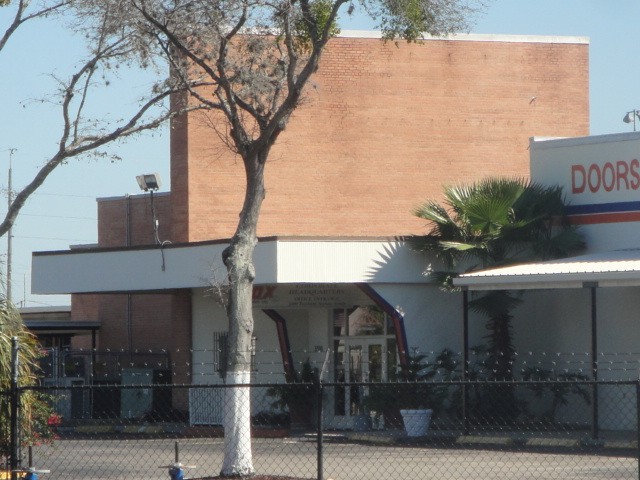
(221,353)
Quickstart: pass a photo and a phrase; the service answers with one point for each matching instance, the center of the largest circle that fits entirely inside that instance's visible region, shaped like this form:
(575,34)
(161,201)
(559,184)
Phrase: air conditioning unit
(136,402)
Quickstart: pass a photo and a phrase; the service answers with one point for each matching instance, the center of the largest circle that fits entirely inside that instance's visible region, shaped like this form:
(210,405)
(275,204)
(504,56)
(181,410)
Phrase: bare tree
(255,58)
(80,134)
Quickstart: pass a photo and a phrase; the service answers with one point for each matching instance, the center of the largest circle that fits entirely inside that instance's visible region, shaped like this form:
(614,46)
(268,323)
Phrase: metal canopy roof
(604,269)
(38,325)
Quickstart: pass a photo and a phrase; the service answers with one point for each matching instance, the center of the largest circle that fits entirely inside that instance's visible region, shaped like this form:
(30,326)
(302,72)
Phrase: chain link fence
(550,423)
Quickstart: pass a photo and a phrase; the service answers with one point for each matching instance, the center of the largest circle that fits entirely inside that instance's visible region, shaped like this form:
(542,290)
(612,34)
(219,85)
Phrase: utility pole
(9,233)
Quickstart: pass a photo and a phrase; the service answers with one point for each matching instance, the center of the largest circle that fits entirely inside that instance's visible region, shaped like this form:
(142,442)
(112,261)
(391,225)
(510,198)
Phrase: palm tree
(496,222)
(34,407)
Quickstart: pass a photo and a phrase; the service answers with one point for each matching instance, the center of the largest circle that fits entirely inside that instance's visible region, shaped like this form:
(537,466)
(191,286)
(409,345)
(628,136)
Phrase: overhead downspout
(128,312)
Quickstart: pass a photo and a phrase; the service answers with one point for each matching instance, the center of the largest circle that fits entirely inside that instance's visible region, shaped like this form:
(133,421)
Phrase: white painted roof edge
(539,143)
(478,37)
(614,267)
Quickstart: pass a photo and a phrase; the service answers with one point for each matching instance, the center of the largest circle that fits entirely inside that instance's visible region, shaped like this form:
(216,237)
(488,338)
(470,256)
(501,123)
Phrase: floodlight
(149,181)
(630,117)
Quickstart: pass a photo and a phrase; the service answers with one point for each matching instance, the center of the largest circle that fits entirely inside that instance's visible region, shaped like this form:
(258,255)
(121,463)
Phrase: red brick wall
(84,308)
(150,315)
(113,224)
(382,128)
(179,173)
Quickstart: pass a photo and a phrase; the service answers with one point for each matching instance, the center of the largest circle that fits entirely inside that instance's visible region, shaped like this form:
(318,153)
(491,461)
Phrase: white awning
(617,268)
(195,265)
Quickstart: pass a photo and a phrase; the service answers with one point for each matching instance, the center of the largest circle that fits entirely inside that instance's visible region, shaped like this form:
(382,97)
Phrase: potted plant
(418,402)
(410,402)
(297,397)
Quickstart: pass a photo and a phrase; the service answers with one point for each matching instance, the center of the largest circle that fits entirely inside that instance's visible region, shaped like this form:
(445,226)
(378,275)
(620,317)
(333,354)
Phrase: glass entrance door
(364,347)
(358,360)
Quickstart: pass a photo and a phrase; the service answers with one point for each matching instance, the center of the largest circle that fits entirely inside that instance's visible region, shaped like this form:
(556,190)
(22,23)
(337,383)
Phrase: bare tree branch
(19,18)
(78,137)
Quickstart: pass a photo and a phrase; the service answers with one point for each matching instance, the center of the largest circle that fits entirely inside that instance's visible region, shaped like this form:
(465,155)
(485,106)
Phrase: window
(361,321)
(221,353)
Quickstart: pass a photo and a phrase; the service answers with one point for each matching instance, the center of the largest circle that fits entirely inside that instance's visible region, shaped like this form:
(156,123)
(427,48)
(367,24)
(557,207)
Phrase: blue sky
(63,212)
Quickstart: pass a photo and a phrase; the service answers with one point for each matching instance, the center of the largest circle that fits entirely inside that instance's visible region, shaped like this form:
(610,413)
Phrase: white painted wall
(327,261)
(552,330)
(432,318)
(209,317)
(563,317)
(553,161)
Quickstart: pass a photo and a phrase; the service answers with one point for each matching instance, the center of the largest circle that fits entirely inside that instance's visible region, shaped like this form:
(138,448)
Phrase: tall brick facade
(381,129)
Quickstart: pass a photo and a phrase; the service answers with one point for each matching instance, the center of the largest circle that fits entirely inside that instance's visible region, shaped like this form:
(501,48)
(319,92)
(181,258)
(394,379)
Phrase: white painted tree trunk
(237,426)
(238,258)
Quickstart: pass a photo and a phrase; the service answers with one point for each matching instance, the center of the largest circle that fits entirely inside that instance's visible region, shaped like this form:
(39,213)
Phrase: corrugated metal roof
(605,269)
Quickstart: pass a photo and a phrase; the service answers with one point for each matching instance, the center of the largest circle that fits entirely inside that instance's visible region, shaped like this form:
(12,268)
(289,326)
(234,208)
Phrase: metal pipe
(9,232)
(319,395)
(14,461)
(638,425)
(594,362)
(465,359)
(129,320)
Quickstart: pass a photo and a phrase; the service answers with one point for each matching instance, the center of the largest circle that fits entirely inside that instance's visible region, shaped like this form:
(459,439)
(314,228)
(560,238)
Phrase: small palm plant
(35,411)
(495,222)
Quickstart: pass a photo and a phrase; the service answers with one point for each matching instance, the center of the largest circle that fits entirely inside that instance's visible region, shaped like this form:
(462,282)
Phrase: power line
(64,195)
(56,239)
(94,219)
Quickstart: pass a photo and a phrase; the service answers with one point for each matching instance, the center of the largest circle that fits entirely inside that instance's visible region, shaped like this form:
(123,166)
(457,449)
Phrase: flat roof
(539,143)
(478,37)
(55,325)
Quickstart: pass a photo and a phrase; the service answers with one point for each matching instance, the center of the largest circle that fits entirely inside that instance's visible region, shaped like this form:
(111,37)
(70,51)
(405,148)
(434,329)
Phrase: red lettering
(608,176)
(256,294)
(594,186)
(621,175)
(578,184)
(263,292)
(622,170)
(635,183)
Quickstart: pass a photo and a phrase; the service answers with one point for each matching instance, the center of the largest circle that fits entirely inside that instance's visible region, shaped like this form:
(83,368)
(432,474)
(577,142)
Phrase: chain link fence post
(15,399)
(638,425)
(320,401)
(319,389)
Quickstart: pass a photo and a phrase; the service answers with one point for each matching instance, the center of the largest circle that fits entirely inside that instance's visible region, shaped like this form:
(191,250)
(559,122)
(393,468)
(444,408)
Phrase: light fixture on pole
(631,116)
(150,182)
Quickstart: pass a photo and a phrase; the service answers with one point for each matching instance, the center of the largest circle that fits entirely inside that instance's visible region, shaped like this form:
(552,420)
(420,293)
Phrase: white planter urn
(416,422)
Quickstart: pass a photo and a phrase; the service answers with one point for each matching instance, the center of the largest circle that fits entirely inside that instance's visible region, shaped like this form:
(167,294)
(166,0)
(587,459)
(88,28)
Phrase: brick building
(382,128)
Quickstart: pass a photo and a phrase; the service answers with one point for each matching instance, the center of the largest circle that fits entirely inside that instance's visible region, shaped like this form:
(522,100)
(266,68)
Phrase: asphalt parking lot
(102,459)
